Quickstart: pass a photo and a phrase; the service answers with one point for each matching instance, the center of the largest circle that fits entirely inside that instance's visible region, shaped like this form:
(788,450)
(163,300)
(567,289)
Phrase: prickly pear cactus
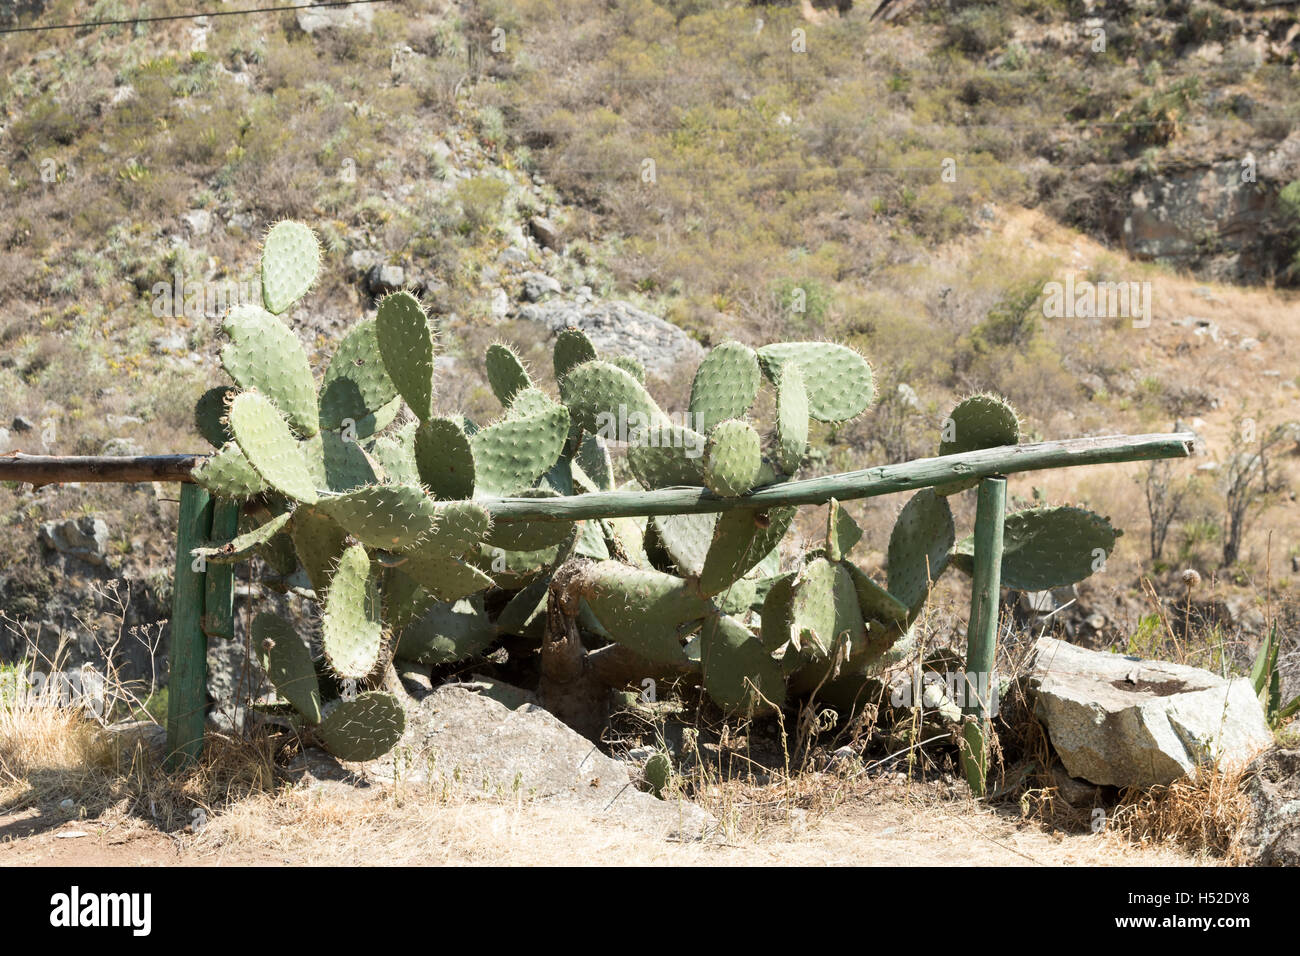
(385,515)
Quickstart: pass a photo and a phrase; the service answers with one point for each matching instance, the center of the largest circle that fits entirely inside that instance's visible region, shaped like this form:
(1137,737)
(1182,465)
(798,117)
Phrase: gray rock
(198,222)
(361,260)
(85,538)
(1272,838)
(381,279)
(334,18)
(621,328)
(1123,721)
(461,739)
(5,440)
(233,683)
(124,447)
(537,286)
(172,342)
(546,233)
(22,423)
(512,256)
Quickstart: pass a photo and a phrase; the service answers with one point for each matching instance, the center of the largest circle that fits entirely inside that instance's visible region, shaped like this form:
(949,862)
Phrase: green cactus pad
(335,463)
(593,458)
(404,600)
(512,454)
(506,373)
(524,612)
(268,444)
(210,415)
(351,632)
(445,577)
(981,421)
(918,547)
(320,542)
(444,459)
(264,354)
(227,474)
(732,458)
(364,728)
(604,400)
(389,517)
(777,615)
(677,459)
(739,672)
(406,345)
(842,532)
(791,419)
(1046,548)
(286,658)
(725,385)
(626,538)
(686,538)
(630,365)
(838,380)
(644,610)
(241,547)
(447,633)
(813,612)
(658,773)
(290,261)
(395,456)
(572,348)
(876,603)
(741,539)
(738,597)
(356,386)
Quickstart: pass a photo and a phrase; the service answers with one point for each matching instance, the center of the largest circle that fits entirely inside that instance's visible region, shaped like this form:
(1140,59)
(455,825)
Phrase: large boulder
(1128,722)
(621,328)
(499,743)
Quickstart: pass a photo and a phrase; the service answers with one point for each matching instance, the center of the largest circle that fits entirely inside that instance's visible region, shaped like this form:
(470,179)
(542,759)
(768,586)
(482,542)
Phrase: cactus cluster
(386,517)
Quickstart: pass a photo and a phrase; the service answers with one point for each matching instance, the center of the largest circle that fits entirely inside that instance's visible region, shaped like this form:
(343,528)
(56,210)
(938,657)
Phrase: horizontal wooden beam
(865,483)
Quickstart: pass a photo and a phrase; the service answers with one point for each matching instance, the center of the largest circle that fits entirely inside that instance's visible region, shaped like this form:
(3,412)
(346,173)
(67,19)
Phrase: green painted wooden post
(187,685)
(219,593)
(982,629)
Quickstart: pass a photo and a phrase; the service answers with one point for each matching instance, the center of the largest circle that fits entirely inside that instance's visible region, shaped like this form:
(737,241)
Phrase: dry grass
(1204,813)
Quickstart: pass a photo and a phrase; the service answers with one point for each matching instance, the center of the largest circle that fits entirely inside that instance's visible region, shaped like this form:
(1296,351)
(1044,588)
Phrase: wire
(186,16)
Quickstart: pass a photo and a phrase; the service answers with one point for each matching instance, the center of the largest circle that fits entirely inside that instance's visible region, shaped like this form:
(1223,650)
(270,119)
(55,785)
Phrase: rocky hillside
(664,173)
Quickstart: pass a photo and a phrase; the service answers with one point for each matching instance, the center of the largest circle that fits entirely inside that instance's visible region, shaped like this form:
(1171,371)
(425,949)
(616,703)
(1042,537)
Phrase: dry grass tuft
(1203,813)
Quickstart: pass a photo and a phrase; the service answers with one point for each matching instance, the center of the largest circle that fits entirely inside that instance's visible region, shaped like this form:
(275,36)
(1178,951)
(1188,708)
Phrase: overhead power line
(186,16)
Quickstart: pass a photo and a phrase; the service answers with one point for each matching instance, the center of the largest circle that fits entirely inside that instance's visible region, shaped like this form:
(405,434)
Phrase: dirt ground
(345,825)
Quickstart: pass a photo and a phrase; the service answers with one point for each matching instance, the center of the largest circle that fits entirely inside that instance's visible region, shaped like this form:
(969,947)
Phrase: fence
(202,603)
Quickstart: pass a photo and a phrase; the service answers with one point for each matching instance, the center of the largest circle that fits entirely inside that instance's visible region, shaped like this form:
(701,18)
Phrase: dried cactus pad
(290,260)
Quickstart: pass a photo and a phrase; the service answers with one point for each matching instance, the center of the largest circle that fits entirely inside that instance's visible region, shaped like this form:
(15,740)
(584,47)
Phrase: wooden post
(980,684)
(187,685)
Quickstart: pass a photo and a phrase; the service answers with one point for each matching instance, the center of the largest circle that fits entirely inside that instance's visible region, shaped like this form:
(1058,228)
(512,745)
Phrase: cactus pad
(512,454)
(791,419)
(676,458)
(572,348)
(686,538)
(364,728)
(602,398)
(918,547)
(290,260)
(227,474)
(741,539)
(838,380)
(725,385)
(506,374)
(210,415)
(644,608)
(243,546)
(383,516)
(739,672)
(444,459)
(268,444)
(320,542)
(264,354)
(406,345)
(351,632)
(981,421)
(732,458)
(356,386)
(1046,548)
(842,532)
(286,658)
(447,633)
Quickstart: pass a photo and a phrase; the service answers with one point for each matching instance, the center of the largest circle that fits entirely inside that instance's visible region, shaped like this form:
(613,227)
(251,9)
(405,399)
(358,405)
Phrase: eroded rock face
(621,328)
(1122,721)
(1273,836)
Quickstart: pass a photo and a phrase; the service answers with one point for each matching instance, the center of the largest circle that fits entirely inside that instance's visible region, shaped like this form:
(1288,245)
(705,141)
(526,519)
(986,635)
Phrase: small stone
(85,538)
(198,222)
(67,804)
(121,448)
(384,279)
(546,233)
(537,286)
(22,423)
